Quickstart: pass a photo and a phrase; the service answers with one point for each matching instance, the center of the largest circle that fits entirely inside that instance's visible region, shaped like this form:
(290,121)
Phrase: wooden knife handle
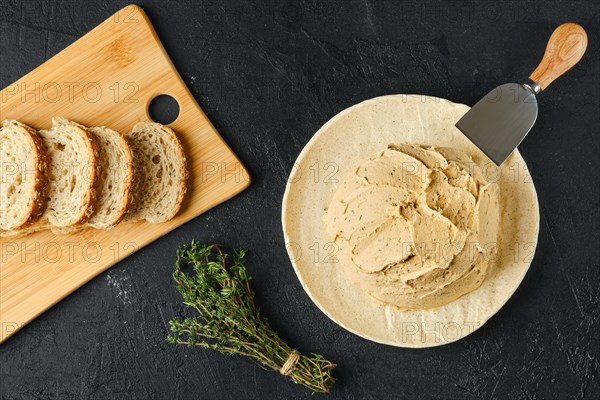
(565,48)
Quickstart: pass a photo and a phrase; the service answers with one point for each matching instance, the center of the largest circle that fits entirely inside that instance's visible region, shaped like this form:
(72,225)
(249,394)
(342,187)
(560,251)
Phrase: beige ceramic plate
(352,136)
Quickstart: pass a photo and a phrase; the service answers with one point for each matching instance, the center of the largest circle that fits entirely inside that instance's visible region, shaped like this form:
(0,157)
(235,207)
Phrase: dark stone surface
(269,73)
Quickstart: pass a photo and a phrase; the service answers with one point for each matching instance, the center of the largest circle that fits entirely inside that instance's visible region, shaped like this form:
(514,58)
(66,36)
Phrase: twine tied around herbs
(290,363)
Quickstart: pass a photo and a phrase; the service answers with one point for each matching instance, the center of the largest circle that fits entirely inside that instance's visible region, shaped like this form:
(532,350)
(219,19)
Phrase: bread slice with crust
(23,181)
(160,173)
(73,173)
(115,179)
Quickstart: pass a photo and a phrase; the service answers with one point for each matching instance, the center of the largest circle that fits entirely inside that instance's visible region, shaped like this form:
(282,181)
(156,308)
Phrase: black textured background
(269,73)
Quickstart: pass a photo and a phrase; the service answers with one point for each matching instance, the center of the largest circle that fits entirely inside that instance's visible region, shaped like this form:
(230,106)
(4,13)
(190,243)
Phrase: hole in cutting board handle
(163,109)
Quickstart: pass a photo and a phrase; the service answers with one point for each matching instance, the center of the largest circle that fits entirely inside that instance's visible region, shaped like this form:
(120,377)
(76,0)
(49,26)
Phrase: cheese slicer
(500,121)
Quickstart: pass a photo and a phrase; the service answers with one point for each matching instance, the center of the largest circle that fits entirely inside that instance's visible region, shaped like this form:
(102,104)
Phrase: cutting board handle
(565,48)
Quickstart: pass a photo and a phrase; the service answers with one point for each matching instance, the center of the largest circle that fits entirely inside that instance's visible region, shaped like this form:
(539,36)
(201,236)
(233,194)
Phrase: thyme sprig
(228,321)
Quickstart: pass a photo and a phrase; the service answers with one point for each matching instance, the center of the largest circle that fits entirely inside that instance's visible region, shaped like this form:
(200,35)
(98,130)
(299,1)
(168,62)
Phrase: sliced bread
(160,173)
(72,171)
(115,177)
(23,181)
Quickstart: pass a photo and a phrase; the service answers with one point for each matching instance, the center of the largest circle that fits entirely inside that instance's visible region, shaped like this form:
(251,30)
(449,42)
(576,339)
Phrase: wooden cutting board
(108,77)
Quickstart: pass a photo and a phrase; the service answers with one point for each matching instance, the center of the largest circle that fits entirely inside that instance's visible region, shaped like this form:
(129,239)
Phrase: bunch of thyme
(228,321)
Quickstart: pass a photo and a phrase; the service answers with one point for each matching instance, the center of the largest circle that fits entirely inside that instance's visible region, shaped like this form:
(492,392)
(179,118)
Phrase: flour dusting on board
(121,286)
